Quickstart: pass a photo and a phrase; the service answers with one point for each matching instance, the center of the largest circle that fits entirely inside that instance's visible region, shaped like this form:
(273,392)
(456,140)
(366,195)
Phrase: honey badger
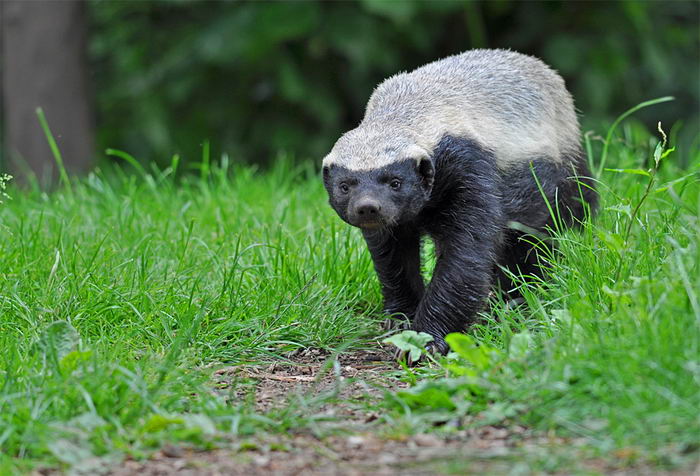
(464,150)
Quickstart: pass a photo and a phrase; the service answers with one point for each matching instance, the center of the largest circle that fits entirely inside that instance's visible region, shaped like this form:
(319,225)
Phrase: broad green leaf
(159,422)
(201,422)
(520,345)
(658,151)
(465,347)
(59,339)
(70,452)
(431,397)
(460,370)
(71,360)
(399,12)
(410,341)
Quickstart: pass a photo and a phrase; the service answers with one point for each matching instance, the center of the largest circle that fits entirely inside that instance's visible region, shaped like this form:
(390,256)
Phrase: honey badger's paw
(436,348)
(411,345)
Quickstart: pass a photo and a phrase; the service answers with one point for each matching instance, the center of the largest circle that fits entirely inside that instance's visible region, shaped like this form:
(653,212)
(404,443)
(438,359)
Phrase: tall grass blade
(129,159)
(54,150)
(620,118)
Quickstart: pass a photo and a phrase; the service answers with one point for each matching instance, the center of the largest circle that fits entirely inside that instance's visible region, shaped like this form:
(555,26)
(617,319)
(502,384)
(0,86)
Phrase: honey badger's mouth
(372,225)
(379,223)
(368,223)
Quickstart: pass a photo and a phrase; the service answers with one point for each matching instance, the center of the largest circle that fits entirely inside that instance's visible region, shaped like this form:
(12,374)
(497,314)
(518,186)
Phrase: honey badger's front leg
(466,221)
(459,288)
(396,257)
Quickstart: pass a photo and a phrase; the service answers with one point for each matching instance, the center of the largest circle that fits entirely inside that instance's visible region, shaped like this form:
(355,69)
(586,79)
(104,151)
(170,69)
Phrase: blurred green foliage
(257,78)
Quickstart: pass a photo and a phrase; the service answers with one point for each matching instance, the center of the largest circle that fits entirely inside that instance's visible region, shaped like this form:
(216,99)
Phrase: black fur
(396,257)
(538,197)
(478,216)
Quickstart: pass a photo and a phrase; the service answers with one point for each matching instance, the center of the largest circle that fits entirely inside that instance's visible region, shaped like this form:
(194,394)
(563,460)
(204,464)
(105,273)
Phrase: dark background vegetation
(258,78)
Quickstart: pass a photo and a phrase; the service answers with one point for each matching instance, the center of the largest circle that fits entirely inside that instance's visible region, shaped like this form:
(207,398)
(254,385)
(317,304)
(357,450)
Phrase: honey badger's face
(382,197)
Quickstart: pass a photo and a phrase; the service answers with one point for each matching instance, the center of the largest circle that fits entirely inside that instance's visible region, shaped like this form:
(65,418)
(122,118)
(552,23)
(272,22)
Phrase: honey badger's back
(510,103)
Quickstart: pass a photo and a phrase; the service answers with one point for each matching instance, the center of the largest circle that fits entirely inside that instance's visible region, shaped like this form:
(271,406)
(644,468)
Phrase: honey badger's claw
(405,356)
(401,355)
(437,348)
(395,323)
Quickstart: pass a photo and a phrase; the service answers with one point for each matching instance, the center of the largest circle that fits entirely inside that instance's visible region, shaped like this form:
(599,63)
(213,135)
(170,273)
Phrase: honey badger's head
(375,182)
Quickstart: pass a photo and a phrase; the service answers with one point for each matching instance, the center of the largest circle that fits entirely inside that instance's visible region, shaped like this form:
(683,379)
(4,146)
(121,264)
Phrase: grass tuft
(120,293)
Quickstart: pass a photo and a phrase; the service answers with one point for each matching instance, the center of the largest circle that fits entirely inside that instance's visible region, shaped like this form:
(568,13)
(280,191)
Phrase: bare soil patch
(362,376)
(357,382)
(306,455)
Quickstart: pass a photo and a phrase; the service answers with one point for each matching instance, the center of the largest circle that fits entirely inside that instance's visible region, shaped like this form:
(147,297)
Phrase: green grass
(612,339)
(119,293)
(148,281)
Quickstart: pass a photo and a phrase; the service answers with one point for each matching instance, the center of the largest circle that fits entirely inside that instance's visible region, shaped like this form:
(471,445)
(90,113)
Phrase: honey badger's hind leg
(539,197)
(523,258)
(578,198)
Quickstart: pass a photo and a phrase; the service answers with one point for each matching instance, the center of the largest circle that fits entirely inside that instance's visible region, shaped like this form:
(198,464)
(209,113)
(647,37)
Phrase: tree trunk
(44,65)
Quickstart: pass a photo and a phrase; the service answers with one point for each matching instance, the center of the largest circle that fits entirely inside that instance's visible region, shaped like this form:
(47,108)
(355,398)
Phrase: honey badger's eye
(344,187)
(395,184)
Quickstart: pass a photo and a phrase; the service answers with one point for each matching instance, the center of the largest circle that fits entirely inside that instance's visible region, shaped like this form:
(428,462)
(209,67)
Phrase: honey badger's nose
(368,208)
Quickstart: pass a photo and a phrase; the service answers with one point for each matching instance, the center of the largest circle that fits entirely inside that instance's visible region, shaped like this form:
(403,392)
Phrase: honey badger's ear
(327,176)
(426,171)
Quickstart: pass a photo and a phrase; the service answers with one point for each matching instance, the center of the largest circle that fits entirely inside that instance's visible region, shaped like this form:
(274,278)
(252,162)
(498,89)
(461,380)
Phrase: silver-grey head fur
(512,104)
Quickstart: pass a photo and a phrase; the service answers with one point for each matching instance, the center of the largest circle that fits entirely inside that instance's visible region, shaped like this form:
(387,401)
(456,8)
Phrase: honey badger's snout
(366,212)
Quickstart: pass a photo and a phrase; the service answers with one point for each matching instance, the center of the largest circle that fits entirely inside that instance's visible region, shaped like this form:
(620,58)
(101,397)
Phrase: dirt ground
(312,372)
(358,379)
